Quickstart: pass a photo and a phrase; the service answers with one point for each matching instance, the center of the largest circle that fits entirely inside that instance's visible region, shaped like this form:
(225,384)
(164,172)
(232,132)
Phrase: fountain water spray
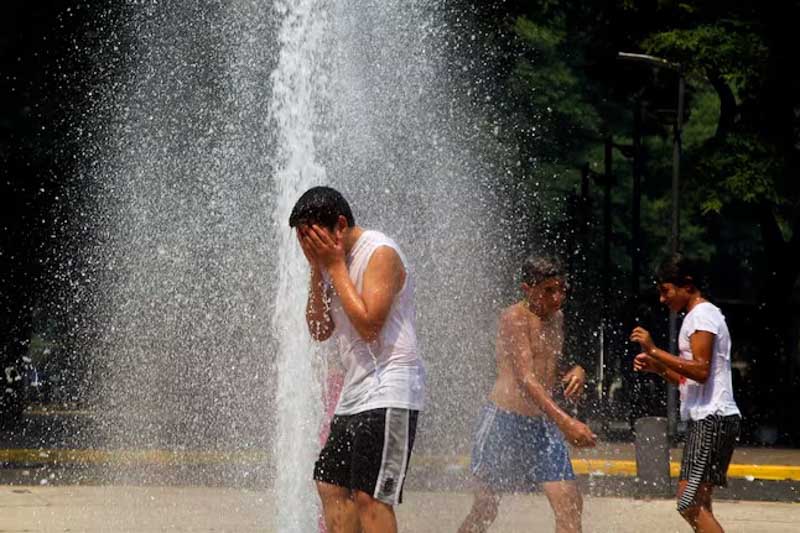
(296,95)
(225,114)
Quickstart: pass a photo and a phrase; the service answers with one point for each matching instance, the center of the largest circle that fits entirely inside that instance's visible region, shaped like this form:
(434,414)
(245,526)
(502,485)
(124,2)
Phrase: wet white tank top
(387,372)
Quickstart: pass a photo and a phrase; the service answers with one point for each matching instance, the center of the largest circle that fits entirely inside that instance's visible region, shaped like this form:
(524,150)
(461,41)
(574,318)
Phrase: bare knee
(485,507)
(332,493)
(365,503)
(482,514)
(691,510)
(373,514)
(568,516)
(567,504)
(363,500)
(573,504)
(569,512)
(690,513)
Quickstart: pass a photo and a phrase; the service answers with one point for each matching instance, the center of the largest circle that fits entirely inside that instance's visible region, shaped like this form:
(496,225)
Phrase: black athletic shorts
(369,451)
(707,454)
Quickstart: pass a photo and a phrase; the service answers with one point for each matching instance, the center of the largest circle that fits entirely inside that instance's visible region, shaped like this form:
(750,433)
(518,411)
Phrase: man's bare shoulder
(386,263)
(386,254)
(517,316)
(512,312)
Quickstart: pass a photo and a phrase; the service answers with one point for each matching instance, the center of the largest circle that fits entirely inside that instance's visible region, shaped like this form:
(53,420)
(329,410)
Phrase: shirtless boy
(520,445)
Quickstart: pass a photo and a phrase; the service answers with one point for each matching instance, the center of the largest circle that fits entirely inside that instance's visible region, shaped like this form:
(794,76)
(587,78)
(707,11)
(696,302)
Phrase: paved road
(118,509)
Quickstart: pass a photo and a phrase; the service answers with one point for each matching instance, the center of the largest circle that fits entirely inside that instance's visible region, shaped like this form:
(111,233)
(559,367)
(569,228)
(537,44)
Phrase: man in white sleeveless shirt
(362,294)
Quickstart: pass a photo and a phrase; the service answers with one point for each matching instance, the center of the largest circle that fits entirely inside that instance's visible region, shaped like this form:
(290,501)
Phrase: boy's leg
(483,512)
(567,504)
(699,515)
(554,473)
(374,515)
(332,475)
(339,509)
(382,444)
(706,457)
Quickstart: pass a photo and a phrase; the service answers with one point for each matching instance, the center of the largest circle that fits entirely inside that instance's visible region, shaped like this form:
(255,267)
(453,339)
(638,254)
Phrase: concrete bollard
(652,456)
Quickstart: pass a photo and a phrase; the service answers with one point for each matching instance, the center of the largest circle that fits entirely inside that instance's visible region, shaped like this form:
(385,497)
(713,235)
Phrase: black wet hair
(323,206)
(682,271)
(537,268)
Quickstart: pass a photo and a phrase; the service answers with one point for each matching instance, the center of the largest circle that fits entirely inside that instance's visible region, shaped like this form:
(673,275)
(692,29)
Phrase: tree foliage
(565,91)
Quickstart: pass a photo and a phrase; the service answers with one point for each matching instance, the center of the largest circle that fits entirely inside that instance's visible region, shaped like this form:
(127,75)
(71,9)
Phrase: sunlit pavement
(112,509)
(610,470)
(51,481)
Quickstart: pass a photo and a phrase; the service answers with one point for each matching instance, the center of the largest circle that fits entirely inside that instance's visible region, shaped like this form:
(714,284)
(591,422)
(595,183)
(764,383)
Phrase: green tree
(558,90)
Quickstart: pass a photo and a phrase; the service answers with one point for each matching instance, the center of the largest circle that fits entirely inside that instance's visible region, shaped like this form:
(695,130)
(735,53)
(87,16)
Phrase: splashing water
(295,97)
(225,114)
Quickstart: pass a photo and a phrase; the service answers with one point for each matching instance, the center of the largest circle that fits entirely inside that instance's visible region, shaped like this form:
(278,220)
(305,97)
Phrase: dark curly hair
(682,271)
(321,205)
(537,268)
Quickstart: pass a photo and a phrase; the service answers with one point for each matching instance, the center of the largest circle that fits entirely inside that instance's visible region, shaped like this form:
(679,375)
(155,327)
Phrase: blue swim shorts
(515,453)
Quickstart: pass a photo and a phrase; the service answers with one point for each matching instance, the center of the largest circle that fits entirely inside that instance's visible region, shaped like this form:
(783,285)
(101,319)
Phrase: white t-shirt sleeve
(705,320)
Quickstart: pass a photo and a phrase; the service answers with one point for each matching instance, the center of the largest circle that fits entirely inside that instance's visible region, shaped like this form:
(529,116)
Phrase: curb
(125,457)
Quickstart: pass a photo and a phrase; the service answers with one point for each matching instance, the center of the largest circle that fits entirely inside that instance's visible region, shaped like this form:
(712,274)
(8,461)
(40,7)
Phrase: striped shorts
(707,454)
(369,452)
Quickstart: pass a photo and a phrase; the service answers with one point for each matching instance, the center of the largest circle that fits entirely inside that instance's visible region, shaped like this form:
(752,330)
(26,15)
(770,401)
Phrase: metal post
(672,390)
(636,201)
(607,234)
(609,146)
(652,456)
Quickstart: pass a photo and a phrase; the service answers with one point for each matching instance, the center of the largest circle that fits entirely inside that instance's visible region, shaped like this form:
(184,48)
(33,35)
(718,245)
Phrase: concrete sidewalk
(607,471)
(607,458)
(118,509)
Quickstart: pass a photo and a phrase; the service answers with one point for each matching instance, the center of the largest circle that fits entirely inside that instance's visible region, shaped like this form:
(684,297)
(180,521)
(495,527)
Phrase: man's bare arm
(698,368)
(515,340)
(318,316)
(574,380)
(670,375)
(383,279)
(645,362)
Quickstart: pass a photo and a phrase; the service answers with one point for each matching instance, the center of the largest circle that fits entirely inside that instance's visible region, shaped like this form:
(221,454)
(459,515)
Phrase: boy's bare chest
(547,340)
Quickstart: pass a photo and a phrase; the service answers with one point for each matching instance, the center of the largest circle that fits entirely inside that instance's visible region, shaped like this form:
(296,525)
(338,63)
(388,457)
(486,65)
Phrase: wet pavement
(53,449)
(113,509)
(56,446)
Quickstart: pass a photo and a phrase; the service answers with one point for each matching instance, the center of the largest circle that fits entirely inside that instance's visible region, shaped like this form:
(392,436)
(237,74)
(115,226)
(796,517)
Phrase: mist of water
(226,114)
(296,95)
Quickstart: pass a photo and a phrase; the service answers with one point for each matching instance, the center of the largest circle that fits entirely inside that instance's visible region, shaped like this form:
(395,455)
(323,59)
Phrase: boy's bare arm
(574,380)
(645,362)
(383,279)
(519,346)
(670,375)
(318,316)
(696,369)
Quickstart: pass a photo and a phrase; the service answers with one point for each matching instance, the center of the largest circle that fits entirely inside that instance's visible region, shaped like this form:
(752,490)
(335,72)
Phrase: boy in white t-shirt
(703,372)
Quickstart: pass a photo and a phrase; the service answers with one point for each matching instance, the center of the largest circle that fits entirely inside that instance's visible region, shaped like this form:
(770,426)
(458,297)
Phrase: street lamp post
(672,392)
